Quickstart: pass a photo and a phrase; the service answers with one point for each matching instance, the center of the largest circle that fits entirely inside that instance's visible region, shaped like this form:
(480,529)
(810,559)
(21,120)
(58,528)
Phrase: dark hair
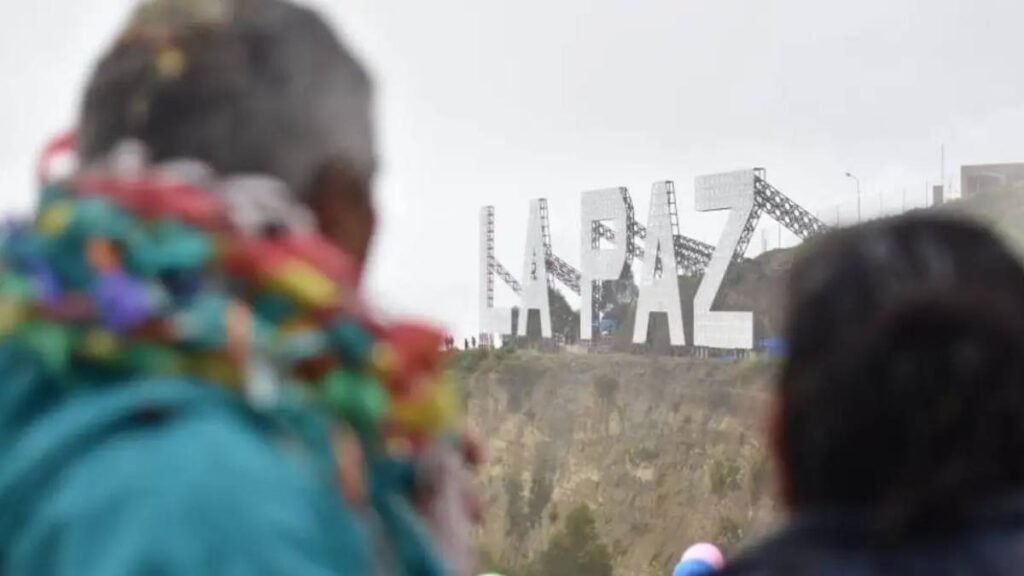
(247,86)
(903,392)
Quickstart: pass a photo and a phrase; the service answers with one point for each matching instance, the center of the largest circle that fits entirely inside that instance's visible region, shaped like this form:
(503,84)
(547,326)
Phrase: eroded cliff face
(665,451)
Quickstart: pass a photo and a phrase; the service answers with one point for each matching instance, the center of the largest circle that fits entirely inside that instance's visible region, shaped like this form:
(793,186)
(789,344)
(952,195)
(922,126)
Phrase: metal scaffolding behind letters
(769,200)
(691,255)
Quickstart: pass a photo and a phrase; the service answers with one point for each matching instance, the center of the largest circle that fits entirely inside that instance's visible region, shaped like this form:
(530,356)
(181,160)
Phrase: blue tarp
(773,347)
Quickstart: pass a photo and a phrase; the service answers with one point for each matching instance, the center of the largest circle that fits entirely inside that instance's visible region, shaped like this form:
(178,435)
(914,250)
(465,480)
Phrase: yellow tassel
(216,368)
(100,345)
(55,218)
(436,411)
(305,284)
(383,361)
(12,313)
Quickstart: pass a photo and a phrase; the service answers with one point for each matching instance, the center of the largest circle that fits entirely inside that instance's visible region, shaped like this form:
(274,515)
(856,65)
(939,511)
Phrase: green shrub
(607,386)
(576,549)
(518,377)
(729,533)
(553,515)
(542,486)
(759,477)
(468,362)
(505,352)
(518,521)
(724,476)
(642,455)
(490,563)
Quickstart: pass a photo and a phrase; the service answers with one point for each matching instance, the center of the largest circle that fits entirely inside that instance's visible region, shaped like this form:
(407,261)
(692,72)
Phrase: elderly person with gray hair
(191,384)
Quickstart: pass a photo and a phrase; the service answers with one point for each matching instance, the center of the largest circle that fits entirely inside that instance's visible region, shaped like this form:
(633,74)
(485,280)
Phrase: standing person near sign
(191,383)
(899,409)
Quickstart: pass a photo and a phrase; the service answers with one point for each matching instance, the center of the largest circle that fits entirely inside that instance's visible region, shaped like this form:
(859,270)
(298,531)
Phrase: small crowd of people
(190,384)
(467,343)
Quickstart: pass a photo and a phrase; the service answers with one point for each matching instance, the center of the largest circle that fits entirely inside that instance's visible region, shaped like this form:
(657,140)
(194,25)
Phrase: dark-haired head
(903,393)
(246,86)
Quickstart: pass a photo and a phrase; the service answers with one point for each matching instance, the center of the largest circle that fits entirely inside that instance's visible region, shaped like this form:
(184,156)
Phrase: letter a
(659,284)
(535,273)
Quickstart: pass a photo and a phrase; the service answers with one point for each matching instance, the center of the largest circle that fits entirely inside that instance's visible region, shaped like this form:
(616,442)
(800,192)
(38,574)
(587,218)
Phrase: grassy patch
(575,549)
(642,455)
(518,376)
(760,477)
(465,363)
(607,386)
(542,486)
(518,521)
(729,532)
(724,475)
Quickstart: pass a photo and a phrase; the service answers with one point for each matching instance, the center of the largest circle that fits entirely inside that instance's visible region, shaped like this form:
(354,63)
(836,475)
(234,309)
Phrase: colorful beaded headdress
(172,270)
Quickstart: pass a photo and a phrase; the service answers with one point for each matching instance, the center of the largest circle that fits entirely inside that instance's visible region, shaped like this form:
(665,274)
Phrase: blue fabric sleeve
(196,494)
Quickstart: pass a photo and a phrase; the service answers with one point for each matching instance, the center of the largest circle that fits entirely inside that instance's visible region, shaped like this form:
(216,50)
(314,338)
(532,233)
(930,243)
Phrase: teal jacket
(168,477)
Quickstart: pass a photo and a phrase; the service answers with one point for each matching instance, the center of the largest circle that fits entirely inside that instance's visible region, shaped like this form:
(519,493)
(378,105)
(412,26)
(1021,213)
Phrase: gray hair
(245,86)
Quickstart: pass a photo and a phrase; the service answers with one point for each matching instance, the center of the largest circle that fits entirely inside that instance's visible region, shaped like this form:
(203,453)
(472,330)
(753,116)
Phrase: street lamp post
(857,180)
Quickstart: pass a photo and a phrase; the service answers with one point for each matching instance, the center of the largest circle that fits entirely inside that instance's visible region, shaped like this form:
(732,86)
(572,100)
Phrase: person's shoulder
(793,552)
(178,478)
(848,551)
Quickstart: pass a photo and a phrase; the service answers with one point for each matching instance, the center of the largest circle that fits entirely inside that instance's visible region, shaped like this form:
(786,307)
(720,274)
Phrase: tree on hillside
(576,550)
(565,321)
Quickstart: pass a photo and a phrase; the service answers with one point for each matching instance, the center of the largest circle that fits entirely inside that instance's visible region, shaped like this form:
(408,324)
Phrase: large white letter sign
(729,330)
(492,320)
(659,284)
(535,274)
(598,207)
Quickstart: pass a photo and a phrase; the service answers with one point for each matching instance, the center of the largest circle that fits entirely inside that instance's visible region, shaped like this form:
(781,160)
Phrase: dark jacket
(990,544)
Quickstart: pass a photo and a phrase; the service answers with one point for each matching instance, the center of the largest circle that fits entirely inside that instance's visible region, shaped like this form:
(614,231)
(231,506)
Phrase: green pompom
(358,399)
(50,342)
(273,308)
(352,342)
(154,359)
(17,287)
(98,218)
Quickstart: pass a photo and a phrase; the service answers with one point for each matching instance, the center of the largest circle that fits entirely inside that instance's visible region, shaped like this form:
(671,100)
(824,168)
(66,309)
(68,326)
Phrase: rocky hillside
(664,451)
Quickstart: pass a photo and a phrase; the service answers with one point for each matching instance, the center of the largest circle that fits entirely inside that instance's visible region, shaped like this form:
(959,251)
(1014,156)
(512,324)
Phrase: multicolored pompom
(142,271)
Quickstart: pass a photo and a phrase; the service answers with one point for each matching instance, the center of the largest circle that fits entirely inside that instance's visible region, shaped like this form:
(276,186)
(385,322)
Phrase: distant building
(989,178)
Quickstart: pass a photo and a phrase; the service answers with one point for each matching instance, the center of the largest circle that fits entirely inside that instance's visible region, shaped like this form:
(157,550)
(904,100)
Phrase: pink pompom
(707,552)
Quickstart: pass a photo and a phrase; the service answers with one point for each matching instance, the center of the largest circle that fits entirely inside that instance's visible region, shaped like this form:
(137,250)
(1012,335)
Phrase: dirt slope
(666,451)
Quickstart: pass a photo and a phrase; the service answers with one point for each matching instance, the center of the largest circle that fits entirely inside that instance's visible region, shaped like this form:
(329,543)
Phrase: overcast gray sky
(500,101)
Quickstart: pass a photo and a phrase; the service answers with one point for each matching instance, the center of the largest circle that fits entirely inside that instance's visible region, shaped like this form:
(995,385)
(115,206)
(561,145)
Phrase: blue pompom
(693,568)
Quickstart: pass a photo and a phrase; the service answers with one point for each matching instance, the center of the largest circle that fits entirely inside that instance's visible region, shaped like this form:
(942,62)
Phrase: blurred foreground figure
(900,420)
(190,383)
